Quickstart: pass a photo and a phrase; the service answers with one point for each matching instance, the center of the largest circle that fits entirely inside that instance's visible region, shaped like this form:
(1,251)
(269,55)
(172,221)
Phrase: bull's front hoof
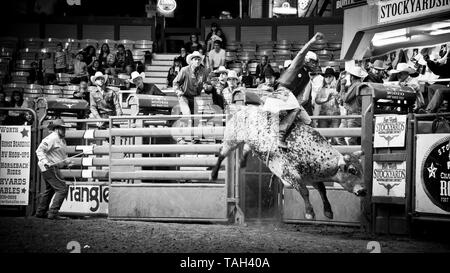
(309,216)
(212,177)
(328,214)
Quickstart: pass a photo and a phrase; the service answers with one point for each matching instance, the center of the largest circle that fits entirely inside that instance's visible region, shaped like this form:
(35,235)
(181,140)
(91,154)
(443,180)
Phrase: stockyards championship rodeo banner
(15,161)
(389,131)
(433,173)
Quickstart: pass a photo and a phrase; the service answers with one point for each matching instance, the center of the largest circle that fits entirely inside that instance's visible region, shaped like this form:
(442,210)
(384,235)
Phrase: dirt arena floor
(100,235)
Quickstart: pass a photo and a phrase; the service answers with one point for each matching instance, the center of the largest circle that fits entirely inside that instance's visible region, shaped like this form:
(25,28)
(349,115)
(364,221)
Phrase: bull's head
(350,175)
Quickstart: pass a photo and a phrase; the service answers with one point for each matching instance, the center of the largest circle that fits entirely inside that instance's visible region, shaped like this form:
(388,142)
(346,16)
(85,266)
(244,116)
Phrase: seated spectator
(437,92)
(327,98)
(376,72)
(261,69)
(205,59)
(193,44)
(121,60)
(215,34)
(18,117)
(269,81)
(246,77)
(79,69)
(174,70)
(128,70)
(82,92)
(216,56)
(104,101)
(129,60)
(183,56)
(35,74)
(232,85)
(144,88)
(48,69)
(404,76)
(95,68)
(89,55)
(105,57)
(60,59)
(352,102)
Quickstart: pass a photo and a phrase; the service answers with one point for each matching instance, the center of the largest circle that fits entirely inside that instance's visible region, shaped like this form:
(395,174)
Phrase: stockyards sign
(86,200)
(433,173)
(396,10)
(389,131)
(15,161)
(389,179)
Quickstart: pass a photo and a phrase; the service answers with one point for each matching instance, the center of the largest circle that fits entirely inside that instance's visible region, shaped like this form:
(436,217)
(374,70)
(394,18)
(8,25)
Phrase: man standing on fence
(189,84)
(52,156)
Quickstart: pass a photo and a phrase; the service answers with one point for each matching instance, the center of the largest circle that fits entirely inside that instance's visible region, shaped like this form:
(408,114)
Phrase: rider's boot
(285,124)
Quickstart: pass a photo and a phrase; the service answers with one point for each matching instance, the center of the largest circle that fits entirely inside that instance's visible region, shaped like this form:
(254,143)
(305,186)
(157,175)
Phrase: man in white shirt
(216,56)
(52,155)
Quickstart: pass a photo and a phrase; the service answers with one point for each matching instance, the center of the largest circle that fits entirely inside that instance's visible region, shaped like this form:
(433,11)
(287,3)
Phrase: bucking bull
(310,159)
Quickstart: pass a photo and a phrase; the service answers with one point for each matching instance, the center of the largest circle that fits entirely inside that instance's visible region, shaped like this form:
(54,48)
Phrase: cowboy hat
(328,71)
(135,75)
(194,54)
(232,75)
(379,64)
(403,67)
(221,69)
(57,123)
(98,74)
(357,71)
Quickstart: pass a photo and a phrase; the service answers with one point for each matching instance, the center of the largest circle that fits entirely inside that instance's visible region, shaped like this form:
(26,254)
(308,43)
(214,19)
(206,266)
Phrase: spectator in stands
(105,57)
(35,74)
(183,56)
(219,83)
(128,58)
(232,85)
(376,72)
(269,81)
(17,117)
(261,69)
(94,68)
(52,155)
(193,44)
(144,88)
(89,55)
(174,70)
(48,69)
(216,56)
(82,92)
(79,69)
(246,77)
(189,84)
(60,59)
(352,102)
(104,100)
(215,34)
(441,67)
(404,76)
(205,60)
(327,98)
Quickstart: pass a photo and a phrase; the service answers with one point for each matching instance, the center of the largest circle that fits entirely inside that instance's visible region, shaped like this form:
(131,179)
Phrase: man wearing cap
(52,155)
(404,76)
(144,88)
(104,101)
(376,72)
(232,85)
(189,84)
(352,102)
(291,85)
(219,82)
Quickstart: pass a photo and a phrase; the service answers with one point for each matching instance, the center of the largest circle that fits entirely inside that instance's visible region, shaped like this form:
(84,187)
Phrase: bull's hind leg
(320,187)
(225,150)
(304,192)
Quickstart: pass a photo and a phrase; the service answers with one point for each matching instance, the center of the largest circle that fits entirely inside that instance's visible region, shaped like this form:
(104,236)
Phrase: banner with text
(389,179)
(396,10)
(389,131)
(86,200)
(15,150)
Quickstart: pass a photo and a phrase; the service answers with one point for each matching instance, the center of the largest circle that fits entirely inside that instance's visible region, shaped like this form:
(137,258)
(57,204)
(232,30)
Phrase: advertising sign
(389,131)
(433,173)
(15,162)
(389,179)
(396,10)
(86,199)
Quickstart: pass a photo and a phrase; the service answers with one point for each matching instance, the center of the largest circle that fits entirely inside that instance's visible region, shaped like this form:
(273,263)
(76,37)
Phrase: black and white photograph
(227,134)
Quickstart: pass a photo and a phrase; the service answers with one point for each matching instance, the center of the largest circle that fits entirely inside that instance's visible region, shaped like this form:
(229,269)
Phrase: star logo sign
(24,190)
(432,171)
(24,132)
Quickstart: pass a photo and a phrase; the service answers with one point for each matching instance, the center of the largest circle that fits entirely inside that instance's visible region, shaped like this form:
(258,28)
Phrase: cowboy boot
(285,124)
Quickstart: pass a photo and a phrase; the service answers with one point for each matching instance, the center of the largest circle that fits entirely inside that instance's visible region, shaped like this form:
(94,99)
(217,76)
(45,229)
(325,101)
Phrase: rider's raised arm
(300,57)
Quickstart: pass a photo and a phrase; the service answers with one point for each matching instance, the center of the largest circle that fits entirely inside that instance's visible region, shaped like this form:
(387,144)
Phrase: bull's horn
(358,153)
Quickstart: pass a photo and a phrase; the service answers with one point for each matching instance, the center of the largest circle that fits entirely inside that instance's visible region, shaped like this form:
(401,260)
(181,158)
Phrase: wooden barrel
(32,91)
(230,56)
(111,43)
(336,65)
(128,44)
(139,55)
(88,42)
(334,46)
(52,91)
(11,87)
(296,46)
(35,43)
(252,67)
(6,52)
(64,78)
(324,55)
(20,77)
(28,54)
(143,44)
(51,42)
(68,90)
(233,46)
(70,44)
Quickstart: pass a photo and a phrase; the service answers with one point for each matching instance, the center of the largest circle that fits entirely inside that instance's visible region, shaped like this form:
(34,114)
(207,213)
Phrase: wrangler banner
(15,164)
(86,200)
